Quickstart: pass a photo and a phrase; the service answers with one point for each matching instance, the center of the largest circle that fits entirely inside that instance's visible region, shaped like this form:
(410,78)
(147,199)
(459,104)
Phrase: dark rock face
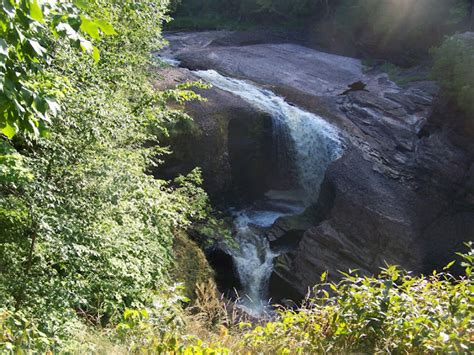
(403,191)
(228,139)
(251,154)
(398,198)
(202,143)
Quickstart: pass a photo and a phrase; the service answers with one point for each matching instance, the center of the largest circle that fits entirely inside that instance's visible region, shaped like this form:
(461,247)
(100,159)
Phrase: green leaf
(3,47)
(8,8)
(95,54)
(449,265)
(81,4)
(33,127)
(8,131)
(37,47)
(35,11)
(53,106)
(86,46)
(106,27)
(90,27)
(66,29)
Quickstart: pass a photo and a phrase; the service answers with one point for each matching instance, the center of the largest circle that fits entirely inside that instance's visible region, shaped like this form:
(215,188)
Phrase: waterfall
(314,142)
(302,141)
(254,259)
(253,262)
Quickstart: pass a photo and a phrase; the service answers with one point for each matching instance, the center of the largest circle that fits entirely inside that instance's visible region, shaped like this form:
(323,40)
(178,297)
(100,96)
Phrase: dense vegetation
(396,312)
(454,61)
(86,234)
(400,30)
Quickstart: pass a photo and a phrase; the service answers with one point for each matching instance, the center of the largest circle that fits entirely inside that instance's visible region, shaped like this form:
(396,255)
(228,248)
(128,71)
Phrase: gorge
(386,184)
(299,138)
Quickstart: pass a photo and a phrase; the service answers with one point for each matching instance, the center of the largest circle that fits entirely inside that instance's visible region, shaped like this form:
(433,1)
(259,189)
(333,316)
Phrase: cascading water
(254,259)
(314,142)
(301,139)
(254,263)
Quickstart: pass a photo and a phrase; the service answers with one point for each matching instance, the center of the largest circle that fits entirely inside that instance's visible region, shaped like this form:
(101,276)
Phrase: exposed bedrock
(228,139)
(403,191)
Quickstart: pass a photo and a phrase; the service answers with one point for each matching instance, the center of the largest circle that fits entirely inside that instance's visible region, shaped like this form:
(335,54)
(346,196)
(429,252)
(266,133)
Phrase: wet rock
(291,65)
(251,155)
(282,292)
(286,225)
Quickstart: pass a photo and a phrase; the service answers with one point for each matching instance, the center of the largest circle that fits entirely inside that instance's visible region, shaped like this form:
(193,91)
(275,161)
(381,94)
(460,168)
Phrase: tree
(454,61)
(27,93)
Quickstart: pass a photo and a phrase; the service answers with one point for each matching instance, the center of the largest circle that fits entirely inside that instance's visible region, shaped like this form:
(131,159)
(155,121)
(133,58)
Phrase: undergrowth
(395,312)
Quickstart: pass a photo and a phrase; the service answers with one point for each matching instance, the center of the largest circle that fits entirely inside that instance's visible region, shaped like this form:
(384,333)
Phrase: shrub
(18,333)
(395,312)
(453,68)
(159,329)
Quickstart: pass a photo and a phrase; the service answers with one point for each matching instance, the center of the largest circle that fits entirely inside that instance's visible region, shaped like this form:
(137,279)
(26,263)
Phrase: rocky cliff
(401,193)
(227,138)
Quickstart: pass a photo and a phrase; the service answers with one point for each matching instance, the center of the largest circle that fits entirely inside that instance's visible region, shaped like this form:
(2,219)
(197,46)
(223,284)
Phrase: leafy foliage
(395,312)
(86,232)
(87,235)
(27,31)
(454,61)
(159,329)
(18,332)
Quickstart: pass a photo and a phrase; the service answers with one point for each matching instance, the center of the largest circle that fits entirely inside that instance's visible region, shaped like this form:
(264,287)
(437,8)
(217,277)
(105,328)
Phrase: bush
(395,312)
(453,68)
(159,329)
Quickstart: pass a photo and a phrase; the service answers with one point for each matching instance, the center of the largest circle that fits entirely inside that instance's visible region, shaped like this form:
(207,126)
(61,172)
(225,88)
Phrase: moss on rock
(191,267)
